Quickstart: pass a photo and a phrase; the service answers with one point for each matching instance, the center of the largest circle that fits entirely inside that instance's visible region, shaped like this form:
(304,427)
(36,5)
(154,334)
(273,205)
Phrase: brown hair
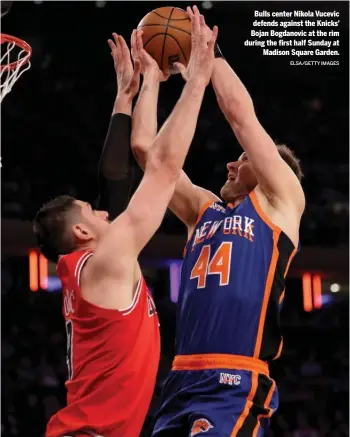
(289,157)
(50,227)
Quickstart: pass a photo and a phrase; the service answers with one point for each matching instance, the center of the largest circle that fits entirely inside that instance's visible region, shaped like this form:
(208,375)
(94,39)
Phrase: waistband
(219,361)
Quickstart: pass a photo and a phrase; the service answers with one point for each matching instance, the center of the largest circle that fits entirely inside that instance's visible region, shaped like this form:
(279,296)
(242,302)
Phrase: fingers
(119,47)
(195,30)
(200,30)
(135,79)
(123,46)
(196,10)
(133,44)
(165,77)
(214,37)
(198,27)
(189,12)
(137,69)
(115,47)
(112,45)
(203,31)
(139,40)
(181,68)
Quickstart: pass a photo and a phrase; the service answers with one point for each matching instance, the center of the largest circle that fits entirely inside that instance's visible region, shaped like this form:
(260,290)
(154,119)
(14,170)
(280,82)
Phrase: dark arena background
(53,126)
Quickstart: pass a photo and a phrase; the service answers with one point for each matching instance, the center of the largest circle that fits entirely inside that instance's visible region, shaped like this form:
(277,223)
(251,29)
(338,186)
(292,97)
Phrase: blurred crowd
(312,374)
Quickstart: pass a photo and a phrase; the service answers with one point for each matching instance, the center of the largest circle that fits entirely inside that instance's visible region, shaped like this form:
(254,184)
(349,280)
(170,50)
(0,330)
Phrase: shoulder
(72,264)
(285,218)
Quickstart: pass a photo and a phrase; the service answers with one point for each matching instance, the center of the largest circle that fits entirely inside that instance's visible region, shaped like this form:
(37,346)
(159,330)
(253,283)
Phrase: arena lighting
(307,292)
(317,291)
(38,271)
(312,291)
(100,4)
(33,270)
(53,284)
(334,288)
(207,5)
(175,277)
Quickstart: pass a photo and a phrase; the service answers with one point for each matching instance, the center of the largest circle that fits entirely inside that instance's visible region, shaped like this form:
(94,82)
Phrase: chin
(233,190)
(226,192)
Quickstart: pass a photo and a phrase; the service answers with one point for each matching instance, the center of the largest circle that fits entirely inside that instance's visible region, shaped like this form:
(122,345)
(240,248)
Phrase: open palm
(138,53)
(128,77)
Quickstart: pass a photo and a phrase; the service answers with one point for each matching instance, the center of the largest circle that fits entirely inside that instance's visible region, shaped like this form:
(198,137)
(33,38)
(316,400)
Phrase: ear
(82,232)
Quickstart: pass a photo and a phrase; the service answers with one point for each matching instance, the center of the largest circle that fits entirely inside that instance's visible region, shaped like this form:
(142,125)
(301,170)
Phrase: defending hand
(128,77)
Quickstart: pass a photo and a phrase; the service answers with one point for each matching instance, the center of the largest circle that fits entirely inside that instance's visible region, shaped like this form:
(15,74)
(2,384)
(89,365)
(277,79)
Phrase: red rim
(20,43)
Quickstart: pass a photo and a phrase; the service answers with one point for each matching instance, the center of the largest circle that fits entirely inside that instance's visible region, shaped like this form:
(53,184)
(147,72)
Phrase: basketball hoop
(11,71)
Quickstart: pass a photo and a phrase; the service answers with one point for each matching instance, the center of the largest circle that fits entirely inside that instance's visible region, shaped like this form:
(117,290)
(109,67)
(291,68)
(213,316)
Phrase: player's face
(92,224)
(241,179)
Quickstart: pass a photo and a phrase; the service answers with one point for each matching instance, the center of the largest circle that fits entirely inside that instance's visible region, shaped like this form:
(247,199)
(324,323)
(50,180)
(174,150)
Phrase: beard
(235,189)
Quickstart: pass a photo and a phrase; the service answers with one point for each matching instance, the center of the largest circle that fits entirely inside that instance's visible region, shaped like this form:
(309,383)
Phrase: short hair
(50,227)
(289,157)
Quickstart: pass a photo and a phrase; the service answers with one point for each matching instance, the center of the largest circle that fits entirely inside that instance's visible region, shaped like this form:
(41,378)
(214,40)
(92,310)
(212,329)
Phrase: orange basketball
(167,37)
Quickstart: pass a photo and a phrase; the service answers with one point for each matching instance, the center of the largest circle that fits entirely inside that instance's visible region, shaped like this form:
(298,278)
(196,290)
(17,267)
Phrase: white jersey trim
(135,300)
(80,265)
(92,434)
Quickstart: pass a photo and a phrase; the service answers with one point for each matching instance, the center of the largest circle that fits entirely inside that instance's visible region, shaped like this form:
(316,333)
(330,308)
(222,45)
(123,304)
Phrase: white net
(12,66)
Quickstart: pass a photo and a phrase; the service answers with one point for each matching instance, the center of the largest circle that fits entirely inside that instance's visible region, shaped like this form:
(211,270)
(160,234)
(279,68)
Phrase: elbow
(237,113)
(140,151)
(138,145)
(166,167)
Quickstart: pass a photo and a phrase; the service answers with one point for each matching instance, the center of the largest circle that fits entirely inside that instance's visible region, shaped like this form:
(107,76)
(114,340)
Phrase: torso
(113,359)
(233,280)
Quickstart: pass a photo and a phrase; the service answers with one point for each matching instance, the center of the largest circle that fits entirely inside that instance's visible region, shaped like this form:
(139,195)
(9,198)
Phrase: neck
(237,201)
(90,245)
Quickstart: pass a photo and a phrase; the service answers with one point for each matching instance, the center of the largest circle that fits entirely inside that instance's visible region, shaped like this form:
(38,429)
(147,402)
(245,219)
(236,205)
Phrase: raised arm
(276,179)
(188,199)
(115,174)
(131,231)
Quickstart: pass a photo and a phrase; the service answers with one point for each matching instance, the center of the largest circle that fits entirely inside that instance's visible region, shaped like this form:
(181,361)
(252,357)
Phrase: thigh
(171,418)
(235,410)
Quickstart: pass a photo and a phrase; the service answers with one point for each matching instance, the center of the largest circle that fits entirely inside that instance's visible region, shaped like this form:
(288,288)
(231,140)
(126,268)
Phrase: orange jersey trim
(281,300)
(266,406)
(247,407)
(200,215)
(279,350)
(267,292)
(219,361)
(261,213)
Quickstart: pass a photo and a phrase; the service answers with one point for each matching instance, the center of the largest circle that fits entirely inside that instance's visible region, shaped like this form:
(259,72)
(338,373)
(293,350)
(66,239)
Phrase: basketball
(167,37)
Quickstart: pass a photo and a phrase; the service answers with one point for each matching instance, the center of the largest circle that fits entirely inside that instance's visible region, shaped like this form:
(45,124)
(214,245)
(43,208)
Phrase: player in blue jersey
(233,275)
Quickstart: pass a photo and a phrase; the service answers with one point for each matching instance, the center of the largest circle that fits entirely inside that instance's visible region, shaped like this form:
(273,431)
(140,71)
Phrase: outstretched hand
(202,57)
(128,77)
(139,54)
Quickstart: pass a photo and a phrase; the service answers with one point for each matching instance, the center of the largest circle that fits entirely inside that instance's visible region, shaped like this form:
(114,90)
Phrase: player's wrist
(151,76)
(195,85)
(123,103)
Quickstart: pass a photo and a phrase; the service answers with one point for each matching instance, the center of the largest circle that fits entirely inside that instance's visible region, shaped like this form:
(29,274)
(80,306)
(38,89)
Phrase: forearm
(144,119)
(233,98)
(171,145)
(114,171)
(122,105)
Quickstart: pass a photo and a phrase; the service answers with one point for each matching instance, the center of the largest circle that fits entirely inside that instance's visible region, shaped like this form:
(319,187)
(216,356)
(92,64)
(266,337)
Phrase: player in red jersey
(112,327)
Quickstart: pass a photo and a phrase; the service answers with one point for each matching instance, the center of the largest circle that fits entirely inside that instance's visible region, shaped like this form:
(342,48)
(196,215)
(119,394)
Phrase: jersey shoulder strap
(69,266)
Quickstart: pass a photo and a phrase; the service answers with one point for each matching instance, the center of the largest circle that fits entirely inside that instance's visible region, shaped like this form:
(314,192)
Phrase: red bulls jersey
(232,284)
(112,359)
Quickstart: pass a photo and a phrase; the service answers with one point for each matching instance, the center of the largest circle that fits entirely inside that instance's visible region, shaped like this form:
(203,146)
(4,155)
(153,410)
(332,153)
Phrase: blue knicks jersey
(232,283)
